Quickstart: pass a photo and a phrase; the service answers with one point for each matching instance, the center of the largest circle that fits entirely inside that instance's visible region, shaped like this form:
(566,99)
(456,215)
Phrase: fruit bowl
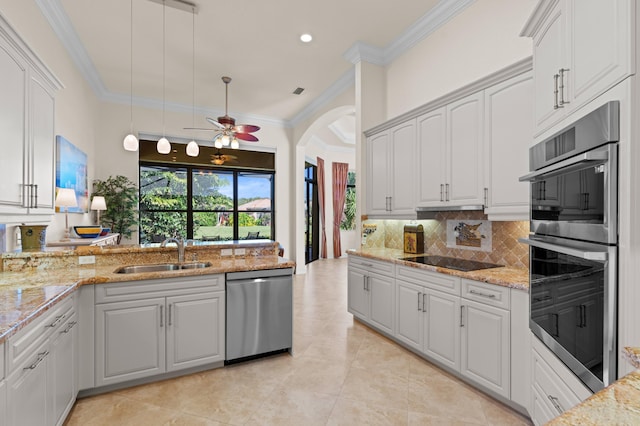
(88,231)
(104,231)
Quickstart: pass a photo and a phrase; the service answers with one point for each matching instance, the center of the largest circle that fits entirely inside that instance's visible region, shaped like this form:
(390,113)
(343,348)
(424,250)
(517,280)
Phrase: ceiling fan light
(235,144)
(193,150)
(225,140)
(217,143)
(130,142)
(163,146)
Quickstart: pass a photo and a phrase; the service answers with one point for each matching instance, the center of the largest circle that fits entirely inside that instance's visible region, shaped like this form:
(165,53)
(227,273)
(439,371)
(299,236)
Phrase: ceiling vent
(298,91)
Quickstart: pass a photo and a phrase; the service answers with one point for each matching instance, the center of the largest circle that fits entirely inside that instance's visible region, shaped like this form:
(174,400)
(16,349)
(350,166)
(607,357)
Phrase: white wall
(478,41)
(76,105)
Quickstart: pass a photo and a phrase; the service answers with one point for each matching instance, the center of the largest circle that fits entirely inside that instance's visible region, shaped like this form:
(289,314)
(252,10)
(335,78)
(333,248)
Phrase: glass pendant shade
(163,146)
(130,142)
(217,143)
(193,149)
(225,140)
(235,144)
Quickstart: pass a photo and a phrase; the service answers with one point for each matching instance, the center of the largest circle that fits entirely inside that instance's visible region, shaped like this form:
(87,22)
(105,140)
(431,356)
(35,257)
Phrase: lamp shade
(66,198)
(163,146)
(130,142)
(193,149)
(98,203)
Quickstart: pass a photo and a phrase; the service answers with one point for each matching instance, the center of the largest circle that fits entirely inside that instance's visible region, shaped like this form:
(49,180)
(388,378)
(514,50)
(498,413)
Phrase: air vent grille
(298,91)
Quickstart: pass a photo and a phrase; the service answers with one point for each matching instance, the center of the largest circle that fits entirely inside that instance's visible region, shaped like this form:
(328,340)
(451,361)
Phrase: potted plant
(121,196)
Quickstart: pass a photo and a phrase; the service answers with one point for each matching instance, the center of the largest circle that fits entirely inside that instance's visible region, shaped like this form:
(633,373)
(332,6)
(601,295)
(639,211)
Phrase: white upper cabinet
(450,153)
(508,134)
(581,48)
(390,161)
(27,109)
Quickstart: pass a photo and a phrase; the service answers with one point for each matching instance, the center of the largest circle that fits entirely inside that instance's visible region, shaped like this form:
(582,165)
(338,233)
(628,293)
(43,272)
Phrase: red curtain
(323,234)
(340,171)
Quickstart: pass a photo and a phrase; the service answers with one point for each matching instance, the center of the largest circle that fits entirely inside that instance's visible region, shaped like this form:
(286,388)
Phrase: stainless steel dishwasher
(259,313)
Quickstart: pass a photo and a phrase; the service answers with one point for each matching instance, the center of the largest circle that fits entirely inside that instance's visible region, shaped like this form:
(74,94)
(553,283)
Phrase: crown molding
(539,14)
(54,12)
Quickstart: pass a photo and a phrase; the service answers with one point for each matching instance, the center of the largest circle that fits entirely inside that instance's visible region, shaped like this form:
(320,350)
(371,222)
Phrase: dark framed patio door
(311,214)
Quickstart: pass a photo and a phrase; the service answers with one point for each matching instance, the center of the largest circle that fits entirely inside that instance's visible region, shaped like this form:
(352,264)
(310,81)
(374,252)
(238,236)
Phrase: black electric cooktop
(464,265)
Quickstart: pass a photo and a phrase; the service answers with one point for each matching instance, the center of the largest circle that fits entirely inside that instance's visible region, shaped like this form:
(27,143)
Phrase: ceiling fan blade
(246,137)
(215,123)
(246,128)
(209,129)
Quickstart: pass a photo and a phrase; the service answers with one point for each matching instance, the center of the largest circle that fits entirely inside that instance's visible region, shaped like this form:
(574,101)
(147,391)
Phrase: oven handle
(571,251)
(567,165)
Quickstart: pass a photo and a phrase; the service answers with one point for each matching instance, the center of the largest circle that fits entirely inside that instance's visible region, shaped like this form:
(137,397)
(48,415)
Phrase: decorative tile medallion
(469,234)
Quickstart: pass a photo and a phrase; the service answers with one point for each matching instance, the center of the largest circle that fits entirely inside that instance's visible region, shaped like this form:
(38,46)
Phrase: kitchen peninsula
(60,308)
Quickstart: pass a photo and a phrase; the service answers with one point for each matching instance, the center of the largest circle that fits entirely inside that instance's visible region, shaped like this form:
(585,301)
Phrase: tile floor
(341,373)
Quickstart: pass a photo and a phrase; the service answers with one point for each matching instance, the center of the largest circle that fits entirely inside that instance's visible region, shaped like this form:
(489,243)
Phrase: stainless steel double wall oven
(574,237)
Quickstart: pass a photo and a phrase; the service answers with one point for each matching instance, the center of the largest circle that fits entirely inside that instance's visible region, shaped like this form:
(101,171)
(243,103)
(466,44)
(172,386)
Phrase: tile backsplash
(505,250)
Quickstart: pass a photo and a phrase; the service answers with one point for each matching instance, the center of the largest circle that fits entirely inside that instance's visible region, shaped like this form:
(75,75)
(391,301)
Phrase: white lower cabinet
(485,346)
(3,403)
(371,295)
(554,388)
(41,385)
(157,326)
(442,328)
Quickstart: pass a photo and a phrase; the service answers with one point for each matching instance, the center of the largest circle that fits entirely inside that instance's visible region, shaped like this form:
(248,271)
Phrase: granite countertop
(506,277)
(24,295)
(618,403)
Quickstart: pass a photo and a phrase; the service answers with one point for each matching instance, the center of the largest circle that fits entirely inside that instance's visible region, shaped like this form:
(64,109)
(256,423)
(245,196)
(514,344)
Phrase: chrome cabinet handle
(446,192)
(419,294)
(478,293)
(441,192)
(41,357)
(390,209)
(555,403)
(161,316)
(555,91)
(562,100)
(368,265)
(462,316)
(486,197)
(57,320)
(169,314)
(364,282)
(35,197)
(68,327)
(424,306)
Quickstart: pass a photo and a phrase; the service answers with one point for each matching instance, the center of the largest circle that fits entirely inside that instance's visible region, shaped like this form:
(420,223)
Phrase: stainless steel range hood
(430,212)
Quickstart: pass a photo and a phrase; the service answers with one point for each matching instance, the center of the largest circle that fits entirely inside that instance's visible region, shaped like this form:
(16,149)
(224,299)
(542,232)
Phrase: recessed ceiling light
(306,38)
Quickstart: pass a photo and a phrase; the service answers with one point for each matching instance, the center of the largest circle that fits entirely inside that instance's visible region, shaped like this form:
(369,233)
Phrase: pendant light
(163,146)
(193,150)
(130,142)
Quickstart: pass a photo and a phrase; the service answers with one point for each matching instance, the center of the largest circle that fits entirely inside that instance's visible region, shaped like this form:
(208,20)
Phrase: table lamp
(98,203)
(66,198)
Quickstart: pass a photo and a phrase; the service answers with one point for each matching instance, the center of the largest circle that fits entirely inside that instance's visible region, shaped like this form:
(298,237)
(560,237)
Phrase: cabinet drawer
(488,294)
(382,268)
(551,387)
(133,290)
(22,344)
(434,280)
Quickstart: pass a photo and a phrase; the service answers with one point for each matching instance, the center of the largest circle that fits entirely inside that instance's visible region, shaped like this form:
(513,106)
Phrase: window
(349,214)
(205,203)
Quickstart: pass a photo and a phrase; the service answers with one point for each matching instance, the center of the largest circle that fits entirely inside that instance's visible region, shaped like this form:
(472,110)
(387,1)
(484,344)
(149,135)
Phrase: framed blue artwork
(71,172)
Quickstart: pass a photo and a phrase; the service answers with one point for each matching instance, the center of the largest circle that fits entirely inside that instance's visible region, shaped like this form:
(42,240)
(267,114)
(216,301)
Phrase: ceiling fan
(218,158)
(228,132)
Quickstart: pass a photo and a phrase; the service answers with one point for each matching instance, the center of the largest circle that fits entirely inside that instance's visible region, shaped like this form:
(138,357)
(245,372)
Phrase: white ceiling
(255,42)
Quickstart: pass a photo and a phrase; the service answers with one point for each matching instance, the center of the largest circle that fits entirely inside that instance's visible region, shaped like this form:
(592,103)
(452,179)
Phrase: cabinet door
(195,330)
(130,340)
(409,317)
(12,128)
(431,143)
(358,297)
(378,173)
(27,390)
(442,328)
(548,53)
(381,296)
(601,53)
(508,134)
(3,403)
(403,159)
(486,346)
(465,151)
(63,377)
(43,154)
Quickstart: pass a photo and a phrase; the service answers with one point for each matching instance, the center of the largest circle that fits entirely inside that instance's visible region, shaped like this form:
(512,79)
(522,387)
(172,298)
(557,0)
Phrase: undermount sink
(137,269)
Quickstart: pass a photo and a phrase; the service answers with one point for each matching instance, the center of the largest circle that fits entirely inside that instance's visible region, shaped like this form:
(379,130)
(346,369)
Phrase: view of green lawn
(226,232)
